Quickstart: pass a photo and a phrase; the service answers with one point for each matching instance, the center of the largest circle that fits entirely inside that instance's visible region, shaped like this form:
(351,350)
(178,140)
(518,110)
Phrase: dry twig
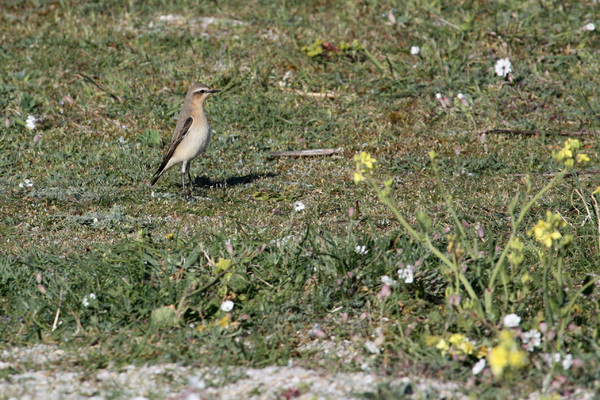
(306,153)
(532,133)
(327,95)
(584,172)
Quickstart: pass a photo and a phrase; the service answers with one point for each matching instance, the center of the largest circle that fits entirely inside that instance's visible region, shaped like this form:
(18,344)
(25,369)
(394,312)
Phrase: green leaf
(424,220)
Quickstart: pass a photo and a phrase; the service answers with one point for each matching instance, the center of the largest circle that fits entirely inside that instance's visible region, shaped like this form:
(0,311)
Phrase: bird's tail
(157,175)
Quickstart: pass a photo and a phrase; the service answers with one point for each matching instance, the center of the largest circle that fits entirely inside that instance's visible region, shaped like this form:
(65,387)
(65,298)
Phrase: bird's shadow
(204,182)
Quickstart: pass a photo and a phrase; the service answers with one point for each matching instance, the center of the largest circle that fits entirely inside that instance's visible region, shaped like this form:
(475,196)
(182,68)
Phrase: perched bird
(191,135)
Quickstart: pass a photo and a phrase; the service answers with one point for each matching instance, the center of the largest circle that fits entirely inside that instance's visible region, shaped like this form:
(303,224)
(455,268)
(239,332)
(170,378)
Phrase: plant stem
(425,239)
(569,306)
(517,224)
(546,267)
(448,200)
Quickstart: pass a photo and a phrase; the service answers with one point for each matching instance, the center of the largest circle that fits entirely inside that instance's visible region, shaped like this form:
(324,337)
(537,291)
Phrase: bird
(191,135)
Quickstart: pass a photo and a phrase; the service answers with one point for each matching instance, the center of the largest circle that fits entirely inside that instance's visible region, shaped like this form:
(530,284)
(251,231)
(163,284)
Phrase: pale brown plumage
(191,135)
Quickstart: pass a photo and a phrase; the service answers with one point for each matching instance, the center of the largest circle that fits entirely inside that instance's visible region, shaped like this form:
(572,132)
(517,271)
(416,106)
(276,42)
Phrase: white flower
(415,50)
(589,27)
(438,96)
(372,347)
(362,250)
(503,67)
(556,357)
(567,362)
(87,299)
(299,206)
(407,274)
(512,321)
(282,241)
(386,280)
(286,78)
(26,183)
(227,306)
(460,96)
(479,366)
(169,18)
(551,359)
(531,339)
(30,122)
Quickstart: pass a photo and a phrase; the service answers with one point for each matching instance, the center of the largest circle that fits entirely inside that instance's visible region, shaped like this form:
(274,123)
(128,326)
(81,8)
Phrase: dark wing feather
(183,132)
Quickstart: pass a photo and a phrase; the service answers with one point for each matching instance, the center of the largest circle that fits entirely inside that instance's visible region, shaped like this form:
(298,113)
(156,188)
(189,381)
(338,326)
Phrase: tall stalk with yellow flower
(365,164)
(547,233)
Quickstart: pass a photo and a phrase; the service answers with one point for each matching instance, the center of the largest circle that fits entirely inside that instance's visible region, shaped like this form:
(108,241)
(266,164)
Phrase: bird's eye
(202,91)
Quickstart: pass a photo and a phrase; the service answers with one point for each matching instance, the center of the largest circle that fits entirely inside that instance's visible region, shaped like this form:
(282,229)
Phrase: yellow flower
(568,154)
(466,347)
(169,236)
(517,358)
(573,144)
(443,346)
(457,344)
(364,160)
(481,351)
(506,354)
(597,191)
(358,177)
(498,360)
(547,231)
(223,322)
(364,163)
(456,339)
(582,158)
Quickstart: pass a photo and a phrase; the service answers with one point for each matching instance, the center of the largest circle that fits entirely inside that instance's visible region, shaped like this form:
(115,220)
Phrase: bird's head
(201,92)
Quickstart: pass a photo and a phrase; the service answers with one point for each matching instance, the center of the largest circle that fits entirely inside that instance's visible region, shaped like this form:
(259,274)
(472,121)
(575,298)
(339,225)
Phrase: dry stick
(93,82)
(532,133)
(55,324)
(306,153)
(327,95)
(585,172)
(444,21)
(597,218)
(587,209)
(207,286)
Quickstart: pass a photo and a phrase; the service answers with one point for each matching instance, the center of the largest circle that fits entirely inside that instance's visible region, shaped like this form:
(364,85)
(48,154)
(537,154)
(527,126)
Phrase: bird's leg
(188,167)
(183,169)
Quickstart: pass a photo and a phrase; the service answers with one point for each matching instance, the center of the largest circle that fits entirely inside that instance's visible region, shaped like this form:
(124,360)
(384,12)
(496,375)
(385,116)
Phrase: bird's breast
(196,140)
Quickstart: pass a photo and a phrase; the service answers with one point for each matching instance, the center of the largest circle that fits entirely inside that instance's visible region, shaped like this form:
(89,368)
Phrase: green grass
(91,223)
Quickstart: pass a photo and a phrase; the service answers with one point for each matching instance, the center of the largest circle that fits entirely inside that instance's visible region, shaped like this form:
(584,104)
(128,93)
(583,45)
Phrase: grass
(107,79)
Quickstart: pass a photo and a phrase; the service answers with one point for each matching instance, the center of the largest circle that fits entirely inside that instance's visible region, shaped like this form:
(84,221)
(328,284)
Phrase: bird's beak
(215,91)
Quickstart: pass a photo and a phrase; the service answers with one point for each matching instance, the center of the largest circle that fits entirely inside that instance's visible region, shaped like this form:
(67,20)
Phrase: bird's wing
(177,138)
